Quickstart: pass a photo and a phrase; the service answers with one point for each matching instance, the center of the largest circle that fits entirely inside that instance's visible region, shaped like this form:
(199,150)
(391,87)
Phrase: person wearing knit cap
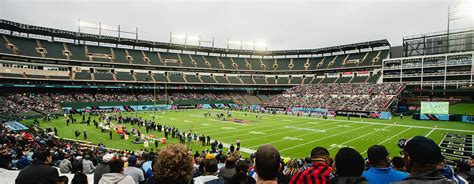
(421,156)
(103,167)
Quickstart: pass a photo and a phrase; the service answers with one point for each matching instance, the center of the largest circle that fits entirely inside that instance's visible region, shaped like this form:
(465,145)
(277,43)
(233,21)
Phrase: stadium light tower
(187,39)
(101,27)
(463,10)
(252,45)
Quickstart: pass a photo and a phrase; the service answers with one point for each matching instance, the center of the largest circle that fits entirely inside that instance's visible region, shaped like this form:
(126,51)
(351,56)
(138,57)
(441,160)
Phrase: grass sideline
(293,136)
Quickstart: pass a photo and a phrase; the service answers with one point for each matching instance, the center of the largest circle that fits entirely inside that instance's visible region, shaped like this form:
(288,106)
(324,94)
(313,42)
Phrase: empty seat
(124,76)
(192,78)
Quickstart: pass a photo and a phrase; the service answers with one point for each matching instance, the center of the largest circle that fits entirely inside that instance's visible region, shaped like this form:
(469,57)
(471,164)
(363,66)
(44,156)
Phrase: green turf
(462,108)
(293,136)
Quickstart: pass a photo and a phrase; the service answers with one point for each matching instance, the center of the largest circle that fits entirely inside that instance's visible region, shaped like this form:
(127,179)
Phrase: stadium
(79,101)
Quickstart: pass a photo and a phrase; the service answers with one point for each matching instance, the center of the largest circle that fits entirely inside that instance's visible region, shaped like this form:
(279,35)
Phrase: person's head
(293,164)
(397,163)
(320,154)
(210,166)
(43,155)
(348,163)
(62,180)
(107,158)
(132,161)
(421,153)
(116,166)
(173,163)
(378,156)
(79,178)
(230,162)
(267,162)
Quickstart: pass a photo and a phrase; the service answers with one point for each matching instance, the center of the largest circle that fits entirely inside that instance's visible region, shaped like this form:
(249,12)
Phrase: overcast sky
(288,24)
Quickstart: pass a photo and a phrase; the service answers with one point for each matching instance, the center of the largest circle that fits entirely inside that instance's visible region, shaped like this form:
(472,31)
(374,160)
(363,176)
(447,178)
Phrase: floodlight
(193,38)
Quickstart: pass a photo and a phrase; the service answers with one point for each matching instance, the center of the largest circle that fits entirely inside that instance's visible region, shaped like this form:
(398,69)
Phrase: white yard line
(281,140)
(365,135)
(390,138)
(429,133)
(313,141)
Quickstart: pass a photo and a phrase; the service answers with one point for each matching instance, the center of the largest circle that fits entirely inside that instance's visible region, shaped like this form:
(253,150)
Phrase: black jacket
(37,173)
(348,180)
(430,177)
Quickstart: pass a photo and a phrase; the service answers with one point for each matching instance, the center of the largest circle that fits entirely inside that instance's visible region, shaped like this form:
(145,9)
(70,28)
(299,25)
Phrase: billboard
(434,108)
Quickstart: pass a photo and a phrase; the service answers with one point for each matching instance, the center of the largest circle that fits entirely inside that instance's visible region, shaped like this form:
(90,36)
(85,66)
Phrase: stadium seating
(53,49)
(359,79)
(234,80)
(76,52)
(227,63)
(283,80)
(153,57)
(176,77)
(283,64)
(214,61)
(255,64)
(124,76)
(343,79)
(187,61)
(103,76)
(296,80)
(299,63)
(25,46)
(96,53)
(143,77)
(271,80)
(4,46)
(137,57)
(160,77)
(329,80)
(241,63)
(207,79)
(170,59)
(259,80)
(83,75)
(247,79)
(200,61)
(221,79)
(375,77)
(121,56)
(192,78)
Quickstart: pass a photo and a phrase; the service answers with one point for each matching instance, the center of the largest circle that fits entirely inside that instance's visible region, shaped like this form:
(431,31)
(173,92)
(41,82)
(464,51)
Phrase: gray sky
(283,24)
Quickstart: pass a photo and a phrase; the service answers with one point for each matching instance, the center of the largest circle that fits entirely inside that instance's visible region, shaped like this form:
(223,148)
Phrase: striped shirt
(318,173)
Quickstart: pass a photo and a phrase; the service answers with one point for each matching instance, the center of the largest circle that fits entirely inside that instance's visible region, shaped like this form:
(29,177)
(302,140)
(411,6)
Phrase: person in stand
(40,171)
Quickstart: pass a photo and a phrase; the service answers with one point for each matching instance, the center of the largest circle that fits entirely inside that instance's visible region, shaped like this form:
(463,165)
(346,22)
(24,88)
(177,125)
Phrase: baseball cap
(377,153)
(107,157)
(132,160)
(423,150)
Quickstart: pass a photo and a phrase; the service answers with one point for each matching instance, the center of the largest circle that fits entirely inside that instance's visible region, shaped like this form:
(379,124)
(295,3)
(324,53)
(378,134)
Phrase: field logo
(257,133)
(292,138)
(305,129)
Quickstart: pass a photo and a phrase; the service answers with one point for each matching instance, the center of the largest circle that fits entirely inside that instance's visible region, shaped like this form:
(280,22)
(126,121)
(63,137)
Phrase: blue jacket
(383,175)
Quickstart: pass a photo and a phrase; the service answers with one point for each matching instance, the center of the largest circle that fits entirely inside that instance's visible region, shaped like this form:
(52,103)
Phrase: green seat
(176,77)
(247,80)
(271,80)
(103,76)
(207,79)
(221,79)
(26,46)
(137,57)
(283,80)
(83,75)
(77,52)
(53,49)
(120,56)
(159,77)
(192,78)
(242,64)
(298,64)
(124,76)
(143,77)
(234,80)
(173,59)
(296,80)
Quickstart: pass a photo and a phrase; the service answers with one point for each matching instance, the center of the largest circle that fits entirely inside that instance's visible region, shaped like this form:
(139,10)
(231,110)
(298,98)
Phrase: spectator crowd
(338,96)
(41,158)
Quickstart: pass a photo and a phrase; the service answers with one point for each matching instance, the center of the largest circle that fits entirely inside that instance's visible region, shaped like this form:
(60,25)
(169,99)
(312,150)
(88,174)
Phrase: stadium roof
(32,29)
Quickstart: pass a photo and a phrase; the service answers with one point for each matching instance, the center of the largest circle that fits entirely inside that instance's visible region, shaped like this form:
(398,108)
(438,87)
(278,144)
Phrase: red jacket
(318,173)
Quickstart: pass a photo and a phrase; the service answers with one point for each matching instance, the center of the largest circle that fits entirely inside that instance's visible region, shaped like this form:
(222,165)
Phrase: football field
(293,136)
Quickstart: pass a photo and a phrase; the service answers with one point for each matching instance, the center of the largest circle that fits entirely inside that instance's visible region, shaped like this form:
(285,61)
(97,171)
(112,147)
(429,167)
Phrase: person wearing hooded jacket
(116,175)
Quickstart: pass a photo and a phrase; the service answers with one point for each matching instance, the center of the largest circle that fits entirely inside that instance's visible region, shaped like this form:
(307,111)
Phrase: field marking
(373,123)
(355,138)
(274,134)
(299,136)
(390,138)
(429,133)
(246,150)
(313,141)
